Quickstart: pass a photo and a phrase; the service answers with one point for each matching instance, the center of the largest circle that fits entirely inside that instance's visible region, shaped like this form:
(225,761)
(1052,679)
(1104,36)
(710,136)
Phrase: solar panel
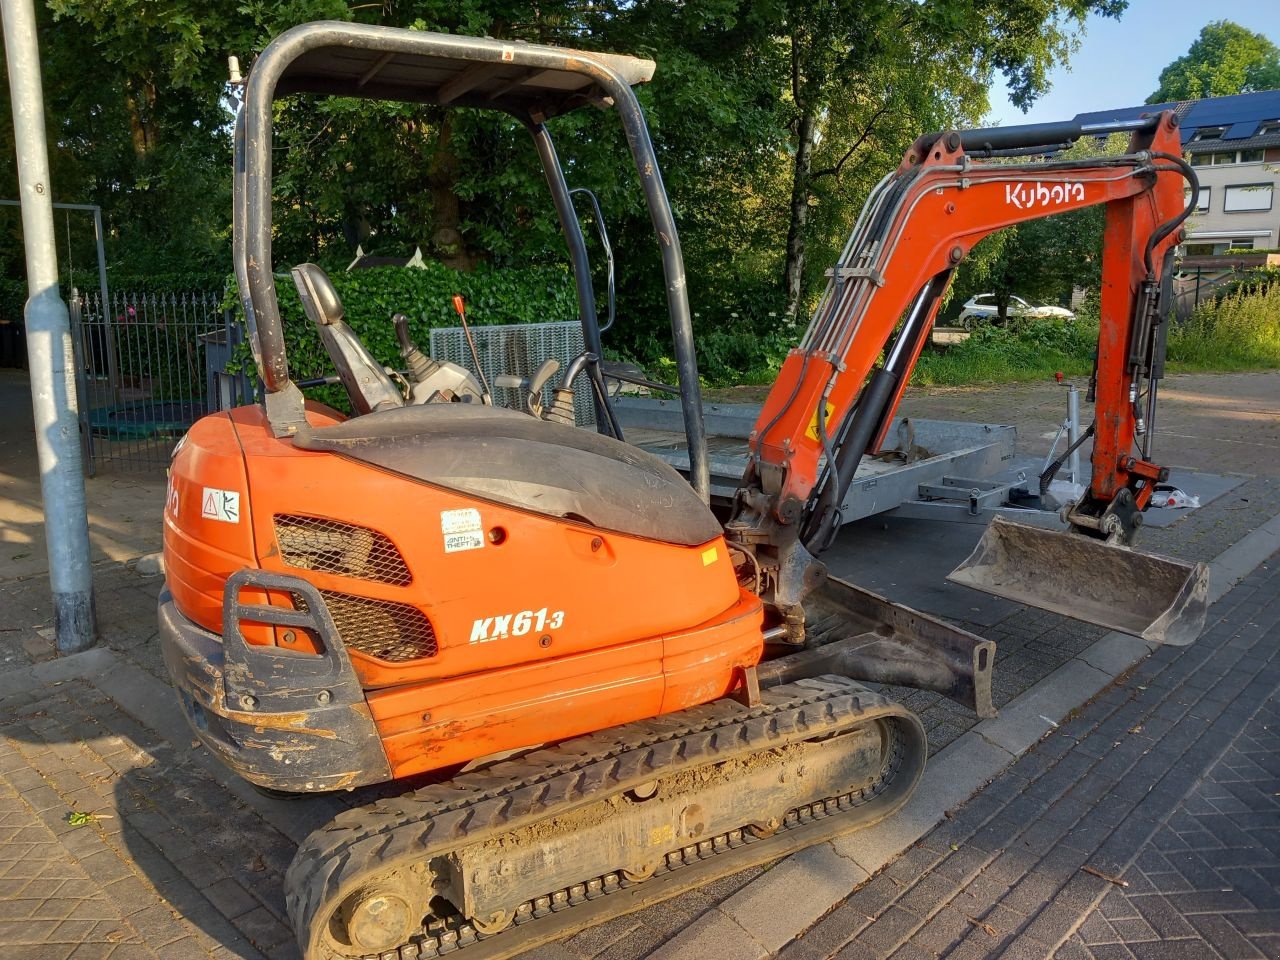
(1228,111)
(1242,130)
(1122,113)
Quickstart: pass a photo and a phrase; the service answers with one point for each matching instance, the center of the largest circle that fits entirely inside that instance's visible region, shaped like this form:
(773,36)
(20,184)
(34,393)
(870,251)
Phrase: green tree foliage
(772,118)
(1225,59)
(878,74)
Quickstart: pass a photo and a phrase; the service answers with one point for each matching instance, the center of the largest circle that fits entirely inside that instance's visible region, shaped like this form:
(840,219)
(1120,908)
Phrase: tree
(930,64)
(1225,59)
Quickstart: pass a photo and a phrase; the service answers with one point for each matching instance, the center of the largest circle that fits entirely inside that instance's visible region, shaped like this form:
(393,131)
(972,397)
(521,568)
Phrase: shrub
(1238,331)
(1034,350)
(371,296)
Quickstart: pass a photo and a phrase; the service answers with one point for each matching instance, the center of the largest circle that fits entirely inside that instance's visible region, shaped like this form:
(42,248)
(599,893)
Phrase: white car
(983,308)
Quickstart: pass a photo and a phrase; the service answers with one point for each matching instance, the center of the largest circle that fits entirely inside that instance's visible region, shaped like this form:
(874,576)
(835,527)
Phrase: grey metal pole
(1073,429)
(49,353)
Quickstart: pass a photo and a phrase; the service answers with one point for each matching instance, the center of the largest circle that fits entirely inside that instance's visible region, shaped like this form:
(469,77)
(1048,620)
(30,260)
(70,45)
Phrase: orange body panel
(427,727)
(550,629)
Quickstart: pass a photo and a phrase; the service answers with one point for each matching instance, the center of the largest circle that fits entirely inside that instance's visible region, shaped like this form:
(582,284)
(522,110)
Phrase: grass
(1034,351)
(1239,332)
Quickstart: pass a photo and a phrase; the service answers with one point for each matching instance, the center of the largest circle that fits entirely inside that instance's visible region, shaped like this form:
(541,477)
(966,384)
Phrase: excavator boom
(832,404)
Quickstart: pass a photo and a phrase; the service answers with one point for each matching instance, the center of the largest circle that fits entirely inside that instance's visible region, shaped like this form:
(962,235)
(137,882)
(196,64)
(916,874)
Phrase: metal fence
(518,349)
(147,367)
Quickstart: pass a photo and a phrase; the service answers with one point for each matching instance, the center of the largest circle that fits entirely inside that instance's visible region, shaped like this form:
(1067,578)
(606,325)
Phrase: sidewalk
(1168,782)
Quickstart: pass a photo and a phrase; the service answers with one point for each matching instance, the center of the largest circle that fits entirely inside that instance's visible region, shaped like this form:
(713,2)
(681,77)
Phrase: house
(1234,145)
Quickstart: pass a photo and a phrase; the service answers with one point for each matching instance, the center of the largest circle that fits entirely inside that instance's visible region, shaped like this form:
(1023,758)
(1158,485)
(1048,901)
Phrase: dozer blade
(1155,598)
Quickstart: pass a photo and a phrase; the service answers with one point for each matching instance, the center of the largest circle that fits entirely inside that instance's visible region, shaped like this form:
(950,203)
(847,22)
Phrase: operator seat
(366,382)
(511,458)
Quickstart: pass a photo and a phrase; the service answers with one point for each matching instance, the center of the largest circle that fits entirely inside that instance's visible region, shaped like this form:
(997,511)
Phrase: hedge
(370,296)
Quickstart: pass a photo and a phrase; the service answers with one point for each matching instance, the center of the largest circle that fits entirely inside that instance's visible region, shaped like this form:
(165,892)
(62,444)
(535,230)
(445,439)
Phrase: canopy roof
(525,79)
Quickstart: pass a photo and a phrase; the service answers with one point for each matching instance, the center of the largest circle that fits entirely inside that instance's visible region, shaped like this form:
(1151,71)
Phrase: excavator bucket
(1155,598)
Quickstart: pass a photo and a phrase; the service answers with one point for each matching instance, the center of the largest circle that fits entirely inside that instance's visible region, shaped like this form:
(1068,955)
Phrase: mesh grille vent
(518,348)
(389,631)
(331,546)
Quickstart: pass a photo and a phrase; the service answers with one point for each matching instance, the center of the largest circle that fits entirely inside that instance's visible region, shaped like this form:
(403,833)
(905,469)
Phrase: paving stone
(793,895)
(1124,790)
(713,934)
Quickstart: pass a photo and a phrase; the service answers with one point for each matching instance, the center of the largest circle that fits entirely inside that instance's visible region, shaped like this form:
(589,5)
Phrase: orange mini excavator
(617,694)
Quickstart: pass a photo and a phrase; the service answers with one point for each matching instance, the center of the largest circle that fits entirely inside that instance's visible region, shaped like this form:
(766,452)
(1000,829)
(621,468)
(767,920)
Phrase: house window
(1247,197)
(1269,128)
(1199,249)
(1221,158)
(1241,243)
(1202,198)
(1209,133)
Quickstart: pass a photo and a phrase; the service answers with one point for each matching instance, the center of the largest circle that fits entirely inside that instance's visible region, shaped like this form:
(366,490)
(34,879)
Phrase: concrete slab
(1036,712)
(949,779)
(1115,653)
(713,934)
(1239,560)
(793,895)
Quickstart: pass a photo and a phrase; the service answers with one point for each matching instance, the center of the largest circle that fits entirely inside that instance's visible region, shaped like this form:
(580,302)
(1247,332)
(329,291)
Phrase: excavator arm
(837,391)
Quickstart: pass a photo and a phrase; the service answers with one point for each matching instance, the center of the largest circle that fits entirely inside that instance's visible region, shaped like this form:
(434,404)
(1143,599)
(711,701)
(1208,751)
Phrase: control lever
(461,308)
(420,366)
(534,385)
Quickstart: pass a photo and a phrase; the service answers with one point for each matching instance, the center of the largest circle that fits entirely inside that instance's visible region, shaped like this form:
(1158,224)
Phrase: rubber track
(362,843)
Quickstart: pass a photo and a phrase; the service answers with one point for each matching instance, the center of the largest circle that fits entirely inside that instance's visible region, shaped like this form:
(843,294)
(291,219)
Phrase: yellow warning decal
(812,432)
(710,556)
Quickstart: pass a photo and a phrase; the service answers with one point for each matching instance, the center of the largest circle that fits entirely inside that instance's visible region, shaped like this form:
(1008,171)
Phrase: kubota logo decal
(1026,196)
(516,624)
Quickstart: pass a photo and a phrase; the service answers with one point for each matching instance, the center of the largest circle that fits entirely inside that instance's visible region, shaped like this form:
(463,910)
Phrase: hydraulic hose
(1189,174)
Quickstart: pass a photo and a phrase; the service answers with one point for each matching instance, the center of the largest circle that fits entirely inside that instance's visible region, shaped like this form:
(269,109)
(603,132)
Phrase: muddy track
(365,844)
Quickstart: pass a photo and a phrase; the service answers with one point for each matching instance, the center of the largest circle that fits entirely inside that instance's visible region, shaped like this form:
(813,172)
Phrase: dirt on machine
(611,692)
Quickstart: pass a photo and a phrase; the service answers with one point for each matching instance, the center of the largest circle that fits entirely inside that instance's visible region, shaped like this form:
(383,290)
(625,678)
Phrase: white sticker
(462,529)
(221,505)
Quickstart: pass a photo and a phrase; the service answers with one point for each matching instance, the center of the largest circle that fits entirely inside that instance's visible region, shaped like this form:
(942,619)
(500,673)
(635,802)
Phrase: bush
(1034,350)
(1238,331)
(371,296)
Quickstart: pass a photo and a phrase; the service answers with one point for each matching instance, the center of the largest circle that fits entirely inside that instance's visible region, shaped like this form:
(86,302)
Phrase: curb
(802,888)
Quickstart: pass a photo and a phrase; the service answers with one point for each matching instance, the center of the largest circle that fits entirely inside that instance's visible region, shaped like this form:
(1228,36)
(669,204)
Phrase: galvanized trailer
(933,459)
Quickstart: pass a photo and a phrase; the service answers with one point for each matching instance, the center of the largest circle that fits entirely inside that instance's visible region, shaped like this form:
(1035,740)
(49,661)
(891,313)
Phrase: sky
(1119,61)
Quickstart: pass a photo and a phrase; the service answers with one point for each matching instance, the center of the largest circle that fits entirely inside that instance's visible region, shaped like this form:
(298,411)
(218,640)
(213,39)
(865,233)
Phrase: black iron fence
(147,367)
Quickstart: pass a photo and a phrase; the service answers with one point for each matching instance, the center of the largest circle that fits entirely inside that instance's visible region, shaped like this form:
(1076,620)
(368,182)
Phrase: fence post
(49,352)
(83,405)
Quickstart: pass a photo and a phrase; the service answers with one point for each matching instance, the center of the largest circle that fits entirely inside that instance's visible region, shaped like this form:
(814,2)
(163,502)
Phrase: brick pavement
(164,799)
(171,857)
(50,906)
(1168,779)
(1207,884)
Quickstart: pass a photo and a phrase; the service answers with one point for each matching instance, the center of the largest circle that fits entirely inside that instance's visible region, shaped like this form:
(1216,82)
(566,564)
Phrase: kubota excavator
(619,695)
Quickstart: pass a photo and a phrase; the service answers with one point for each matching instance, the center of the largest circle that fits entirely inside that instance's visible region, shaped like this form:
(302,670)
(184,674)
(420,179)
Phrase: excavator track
(392,880)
